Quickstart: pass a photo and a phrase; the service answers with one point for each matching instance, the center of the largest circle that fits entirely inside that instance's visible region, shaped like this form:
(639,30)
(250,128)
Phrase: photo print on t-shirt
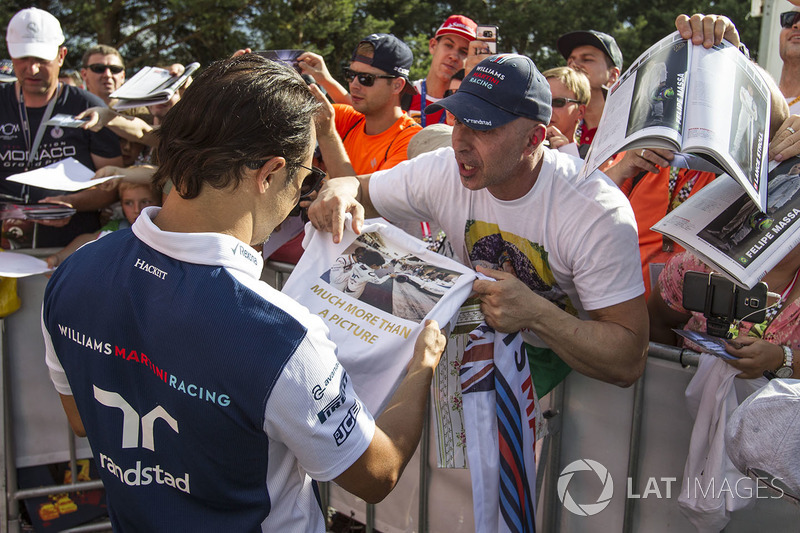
(379,274)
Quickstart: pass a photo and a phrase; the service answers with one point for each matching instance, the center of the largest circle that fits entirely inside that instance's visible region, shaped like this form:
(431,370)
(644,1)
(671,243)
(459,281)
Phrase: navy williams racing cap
(500,89)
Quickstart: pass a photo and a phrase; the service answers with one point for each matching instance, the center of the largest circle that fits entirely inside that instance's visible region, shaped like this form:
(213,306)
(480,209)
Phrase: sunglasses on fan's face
(100,68)
(789,18)
(561,102)
(364,78)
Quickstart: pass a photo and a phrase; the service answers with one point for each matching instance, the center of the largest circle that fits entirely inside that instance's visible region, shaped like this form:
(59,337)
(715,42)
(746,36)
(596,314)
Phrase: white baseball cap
(763,435)
(34,33)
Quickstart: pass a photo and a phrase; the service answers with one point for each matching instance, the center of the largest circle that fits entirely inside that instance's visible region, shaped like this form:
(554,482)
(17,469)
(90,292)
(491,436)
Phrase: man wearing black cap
(598,56)
(374,130)
(570,277)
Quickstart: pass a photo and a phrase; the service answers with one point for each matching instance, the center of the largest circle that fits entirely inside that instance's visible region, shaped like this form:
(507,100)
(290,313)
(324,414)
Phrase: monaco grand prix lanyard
(26,129)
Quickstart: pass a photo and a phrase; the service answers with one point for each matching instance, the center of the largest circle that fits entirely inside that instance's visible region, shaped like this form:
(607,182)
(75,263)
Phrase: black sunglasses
(561,102)
(311,182)
(99,68)
(364,78)
(789,18)
(449,92)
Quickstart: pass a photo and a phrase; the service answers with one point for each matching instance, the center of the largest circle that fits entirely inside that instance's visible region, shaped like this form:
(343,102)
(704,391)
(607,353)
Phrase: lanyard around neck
(423,103)
(787,290)
(772,311)
(33,147)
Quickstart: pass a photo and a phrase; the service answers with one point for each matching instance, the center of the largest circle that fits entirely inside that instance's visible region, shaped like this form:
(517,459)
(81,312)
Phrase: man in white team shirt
(563,251)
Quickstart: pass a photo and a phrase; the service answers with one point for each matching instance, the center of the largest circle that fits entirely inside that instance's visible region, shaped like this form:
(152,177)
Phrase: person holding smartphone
(448,49)
(374,130)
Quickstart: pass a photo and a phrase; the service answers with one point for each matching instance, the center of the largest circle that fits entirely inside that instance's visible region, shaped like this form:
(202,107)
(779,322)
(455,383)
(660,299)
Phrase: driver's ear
(265,175)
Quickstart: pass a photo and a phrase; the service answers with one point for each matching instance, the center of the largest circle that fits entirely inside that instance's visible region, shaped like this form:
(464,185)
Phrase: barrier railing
(275,274)
(9,507)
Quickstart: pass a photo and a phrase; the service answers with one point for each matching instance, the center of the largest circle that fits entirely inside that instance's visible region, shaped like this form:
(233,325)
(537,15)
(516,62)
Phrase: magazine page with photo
(727,119)
(711,106)
(645,103)
(722,225)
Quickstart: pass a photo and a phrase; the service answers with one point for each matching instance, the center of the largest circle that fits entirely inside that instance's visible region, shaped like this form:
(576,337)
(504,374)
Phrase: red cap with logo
(458,25)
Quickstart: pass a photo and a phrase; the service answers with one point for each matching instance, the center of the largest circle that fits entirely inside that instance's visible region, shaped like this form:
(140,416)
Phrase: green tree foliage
(150,32)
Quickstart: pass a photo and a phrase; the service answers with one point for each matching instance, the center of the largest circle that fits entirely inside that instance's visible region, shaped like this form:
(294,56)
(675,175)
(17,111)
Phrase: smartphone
(718,297)
(488,34)
(288,57)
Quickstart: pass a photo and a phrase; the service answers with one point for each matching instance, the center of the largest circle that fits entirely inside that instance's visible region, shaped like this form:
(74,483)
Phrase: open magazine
(151,86)
(34,211)
(723,227)
(710,103)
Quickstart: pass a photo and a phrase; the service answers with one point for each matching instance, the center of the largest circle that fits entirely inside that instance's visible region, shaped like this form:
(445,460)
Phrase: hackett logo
(143,265)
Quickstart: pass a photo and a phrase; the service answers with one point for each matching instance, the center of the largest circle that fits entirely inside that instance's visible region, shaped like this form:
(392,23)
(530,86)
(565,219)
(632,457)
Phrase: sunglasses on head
(561,102)
(789,18)
(100,68)
(365,79)
(310,183)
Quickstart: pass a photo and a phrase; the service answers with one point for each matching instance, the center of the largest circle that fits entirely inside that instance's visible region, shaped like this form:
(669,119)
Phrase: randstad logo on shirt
(131,422)
(138,476)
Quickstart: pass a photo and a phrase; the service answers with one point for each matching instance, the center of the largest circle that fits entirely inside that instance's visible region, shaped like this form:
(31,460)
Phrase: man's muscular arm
(610,347)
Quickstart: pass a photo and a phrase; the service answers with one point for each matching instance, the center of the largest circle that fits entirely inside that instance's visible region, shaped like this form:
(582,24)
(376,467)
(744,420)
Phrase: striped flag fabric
(502,422)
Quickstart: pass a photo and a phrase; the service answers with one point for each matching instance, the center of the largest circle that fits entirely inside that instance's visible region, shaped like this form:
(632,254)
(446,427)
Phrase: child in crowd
(134,197)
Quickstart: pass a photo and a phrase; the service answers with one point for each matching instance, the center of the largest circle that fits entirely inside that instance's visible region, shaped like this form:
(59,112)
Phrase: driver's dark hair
(238,112)
(371,257)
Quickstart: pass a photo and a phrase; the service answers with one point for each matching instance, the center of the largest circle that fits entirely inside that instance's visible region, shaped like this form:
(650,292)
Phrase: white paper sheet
(65,175)
(15,265)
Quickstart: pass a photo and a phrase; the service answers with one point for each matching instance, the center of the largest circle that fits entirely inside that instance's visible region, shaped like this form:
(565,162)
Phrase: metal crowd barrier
(546,479)
(10,507)
(547,471)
